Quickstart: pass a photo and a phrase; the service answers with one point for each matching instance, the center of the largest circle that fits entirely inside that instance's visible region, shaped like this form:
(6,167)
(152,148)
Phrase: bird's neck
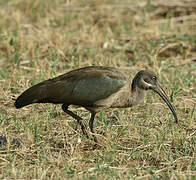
(137,95)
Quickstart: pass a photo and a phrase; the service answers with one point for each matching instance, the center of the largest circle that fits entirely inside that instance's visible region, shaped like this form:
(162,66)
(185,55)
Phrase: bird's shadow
(14,143)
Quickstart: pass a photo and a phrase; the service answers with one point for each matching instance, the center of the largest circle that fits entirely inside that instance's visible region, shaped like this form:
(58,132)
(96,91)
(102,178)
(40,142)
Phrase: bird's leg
(91,125)
(79,119)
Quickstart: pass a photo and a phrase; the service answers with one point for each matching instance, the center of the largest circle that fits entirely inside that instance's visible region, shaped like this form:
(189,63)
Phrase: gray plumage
(94,88)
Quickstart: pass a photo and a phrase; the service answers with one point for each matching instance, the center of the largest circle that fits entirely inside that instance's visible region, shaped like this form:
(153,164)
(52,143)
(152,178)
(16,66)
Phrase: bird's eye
(154,78)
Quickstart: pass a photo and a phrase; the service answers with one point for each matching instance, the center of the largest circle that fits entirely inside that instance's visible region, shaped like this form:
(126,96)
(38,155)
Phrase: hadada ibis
(94,88)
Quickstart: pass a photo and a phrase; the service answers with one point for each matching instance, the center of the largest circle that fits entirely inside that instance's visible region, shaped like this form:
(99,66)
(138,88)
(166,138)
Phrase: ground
(42,39)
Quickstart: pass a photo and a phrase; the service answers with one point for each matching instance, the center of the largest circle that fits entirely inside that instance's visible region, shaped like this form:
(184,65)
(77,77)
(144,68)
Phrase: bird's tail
(35,94)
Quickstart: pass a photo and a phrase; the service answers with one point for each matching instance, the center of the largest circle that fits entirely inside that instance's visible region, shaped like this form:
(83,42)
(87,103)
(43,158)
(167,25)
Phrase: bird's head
(147,80)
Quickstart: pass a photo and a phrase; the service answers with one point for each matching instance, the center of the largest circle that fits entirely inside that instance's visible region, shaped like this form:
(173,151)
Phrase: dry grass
(43,39)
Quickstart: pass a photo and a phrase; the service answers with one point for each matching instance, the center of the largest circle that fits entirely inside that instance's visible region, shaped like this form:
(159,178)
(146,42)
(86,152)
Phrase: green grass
(43,39)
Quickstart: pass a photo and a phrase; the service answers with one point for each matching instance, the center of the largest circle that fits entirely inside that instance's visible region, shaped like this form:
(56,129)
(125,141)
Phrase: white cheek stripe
(147,84)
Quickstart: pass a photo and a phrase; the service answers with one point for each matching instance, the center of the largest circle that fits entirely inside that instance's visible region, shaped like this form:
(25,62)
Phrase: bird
(94,88)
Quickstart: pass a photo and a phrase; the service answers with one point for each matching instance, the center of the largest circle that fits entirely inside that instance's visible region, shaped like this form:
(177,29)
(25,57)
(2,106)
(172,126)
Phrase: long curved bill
(158,89)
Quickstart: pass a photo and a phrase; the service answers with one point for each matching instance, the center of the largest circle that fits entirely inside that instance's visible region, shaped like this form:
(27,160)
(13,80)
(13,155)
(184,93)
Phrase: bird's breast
(119,99)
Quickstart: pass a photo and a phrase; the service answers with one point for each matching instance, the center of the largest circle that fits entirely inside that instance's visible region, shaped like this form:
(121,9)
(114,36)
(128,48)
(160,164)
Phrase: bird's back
(82,87)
